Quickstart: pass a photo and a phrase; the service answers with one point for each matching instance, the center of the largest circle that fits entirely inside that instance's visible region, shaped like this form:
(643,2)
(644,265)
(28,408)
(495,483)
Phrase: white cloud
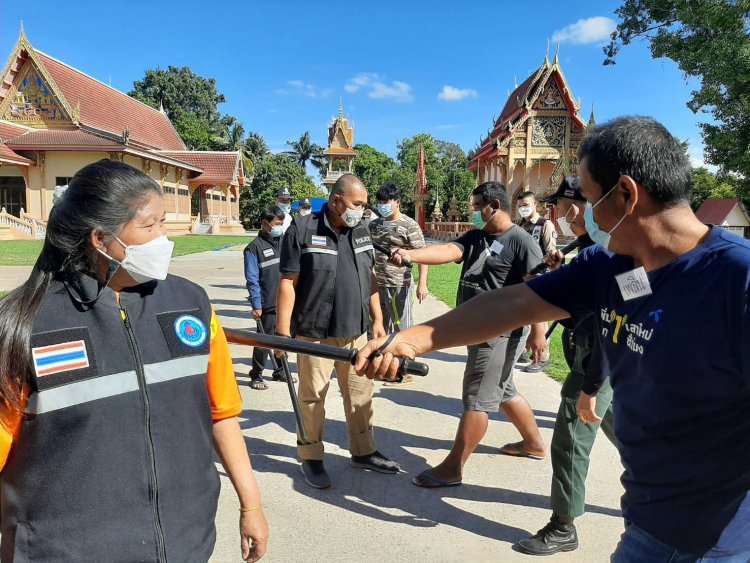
(378,89)
(451,94)
(590,30)
(302,88)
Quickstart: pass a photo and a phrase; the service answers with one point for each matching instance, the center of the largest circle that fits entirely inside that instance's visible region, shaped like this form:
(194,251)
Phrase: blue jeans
(638,546)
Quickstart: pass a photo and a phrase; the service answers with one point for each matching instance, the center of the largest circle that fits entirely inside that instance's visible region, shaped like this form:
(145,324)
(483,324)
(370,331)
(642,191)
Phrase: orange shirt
(223,392)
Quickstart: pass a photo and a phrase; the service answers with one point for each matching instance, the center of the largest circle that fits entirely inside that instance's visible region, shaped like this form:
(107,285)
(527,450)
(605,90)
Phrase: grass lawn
(24,253)
(442,283)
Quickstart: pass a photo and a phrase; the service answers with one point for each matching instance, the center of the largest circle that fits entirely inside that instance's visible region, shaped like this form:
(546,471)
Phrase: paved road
(366,517)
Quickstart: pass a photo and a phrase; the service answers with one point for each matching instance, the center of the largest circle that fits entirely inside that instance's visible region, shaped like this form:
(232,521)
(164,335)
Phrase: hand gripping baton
(387,251)
(286,344)
(284,363)
(540,268)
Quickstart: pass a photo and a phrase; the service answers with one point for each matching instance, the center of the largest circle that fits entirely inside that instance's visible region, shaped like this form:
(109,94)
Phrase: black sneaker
(375,462)
(315,474)
(524,358)
(536,367)
(553,538)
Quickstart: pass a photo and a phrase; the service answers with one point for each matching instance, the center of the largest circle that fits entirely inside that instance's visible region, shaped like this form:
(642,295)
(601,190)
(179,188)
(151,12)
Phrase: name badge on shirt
(319,241)
(634,284)
(268,252)
(496,248)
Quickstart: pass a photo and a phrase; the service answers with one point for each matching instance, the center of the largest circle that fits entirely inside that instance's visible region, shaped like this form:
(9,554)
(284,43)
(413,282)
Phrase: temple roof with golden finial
(340,134)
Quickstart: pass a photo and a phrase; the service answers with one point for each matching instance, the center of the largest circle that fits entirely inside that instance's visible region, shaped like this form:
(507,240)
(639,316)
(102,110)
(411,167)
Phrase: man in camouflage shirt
(395,283)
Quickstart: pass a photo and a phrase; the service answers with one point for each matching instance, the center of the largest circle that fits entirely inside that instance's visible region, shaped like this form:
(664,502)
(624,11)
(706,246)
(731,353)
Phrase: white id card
(634,284)
(496,248)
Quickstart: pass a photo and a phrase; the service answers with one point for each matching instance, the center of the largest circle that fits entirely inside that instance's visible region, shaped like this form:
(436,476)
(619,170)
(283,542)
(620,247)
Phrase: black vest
(266,250)
(114,457)
(316,288)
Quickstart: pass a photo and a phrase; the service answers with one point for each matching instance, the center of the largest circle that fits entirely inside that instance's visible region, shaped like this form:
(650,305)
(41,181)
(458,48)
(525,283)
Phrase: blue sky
(283,64)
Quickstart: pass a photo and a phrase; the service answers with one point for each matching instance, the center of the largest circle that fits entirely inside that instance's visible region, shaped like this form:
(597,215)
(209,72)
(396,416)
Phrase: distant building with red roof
(54,120)
(534,142)
(729,214)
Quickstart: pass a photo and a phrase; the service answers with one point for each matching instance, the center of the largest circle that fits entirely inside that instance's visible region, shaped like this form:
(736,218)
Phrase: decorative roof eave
(8,157)
(157,157)
(22,44)
(340,151)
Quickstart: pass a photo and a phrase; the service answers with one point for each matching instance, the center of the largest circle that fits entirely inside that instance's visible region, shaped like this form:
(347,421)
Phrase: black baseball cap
(568,188)
(283,192)
(305,203)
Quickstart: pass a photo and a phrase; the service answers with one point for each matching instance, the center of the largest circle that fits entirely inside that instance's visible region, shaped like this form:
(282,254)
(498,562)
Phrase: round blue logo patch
(190,330)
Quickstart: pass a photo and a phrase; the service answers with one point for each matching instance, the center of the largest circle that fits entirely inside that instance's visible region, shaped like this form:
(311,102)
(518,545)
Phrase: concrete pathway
(367,517)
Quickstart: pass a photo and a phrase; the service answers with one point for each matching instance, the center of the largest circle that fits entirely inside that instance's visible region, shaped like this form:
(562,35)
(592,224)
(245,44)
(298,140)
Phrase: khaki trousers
(314,379)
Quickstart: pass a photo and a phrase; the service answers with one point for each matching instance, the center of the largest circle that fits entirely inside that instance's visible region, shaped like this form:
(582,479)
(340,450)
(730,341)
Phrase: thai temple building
(534,142)
(54,120)
(340,152)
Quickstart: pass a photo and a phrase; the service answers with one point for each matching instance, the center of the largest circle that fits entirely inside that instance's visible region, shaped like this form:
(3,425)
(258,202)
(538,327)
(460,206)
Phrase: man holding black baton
(571,440)
(657,276)
(495,254)
(327,294)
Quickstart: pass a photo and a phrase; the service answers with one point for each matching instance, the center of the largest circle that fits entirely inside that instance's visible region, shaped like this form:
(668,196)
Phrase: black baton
(287,344)
(284,364)
(387,251)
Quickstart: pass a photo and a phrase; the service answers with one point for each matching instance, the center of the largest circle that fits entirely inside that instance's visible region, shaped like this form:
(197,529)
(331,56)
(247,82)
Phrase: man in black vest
(543,231)
(262,280)
(327,294)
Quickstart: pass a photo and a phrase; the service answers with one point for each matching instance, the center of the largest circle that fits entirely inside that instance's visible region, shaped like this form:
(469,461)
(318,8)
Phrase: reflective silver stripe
(270,262)
(312,249)
(82,392)
(175,369)
(363,248)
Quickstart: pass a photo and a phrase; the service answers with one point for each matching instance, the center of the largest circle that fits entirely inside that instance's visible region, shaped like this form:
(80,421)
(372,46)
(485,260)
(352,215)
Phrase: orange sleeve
(10,423)
(223,391)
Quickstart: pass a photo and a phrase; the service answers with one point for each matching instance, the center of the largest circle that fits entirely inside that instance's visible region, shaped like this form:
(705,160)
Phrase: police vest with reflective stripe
(113,460)
(316,290)
(266,250)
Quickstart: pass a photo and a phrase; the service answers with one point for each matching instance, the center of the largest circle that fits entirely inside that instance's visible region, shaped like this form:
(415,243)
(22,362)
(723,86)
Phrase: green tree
(373,167)
(707,185)
(256,148)
(709,40)
(271,173)
(191,102)
(304,151)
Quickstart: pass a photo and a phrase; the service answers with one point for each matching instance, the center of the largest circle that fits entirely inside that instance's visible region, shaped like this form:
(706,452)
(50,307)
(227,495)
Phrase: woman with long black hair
(116,385)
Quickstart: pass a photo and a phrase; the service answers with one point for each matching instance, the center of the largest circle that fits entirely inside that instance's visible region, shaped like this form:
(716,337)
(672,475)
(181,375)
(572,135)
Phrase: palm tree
(304,151)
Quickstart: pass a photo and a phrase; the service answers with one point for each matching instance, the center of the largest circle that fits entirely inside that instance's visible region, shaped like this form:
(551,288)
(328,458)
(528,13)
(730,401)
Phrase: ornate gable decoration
(550,98)
(33,98)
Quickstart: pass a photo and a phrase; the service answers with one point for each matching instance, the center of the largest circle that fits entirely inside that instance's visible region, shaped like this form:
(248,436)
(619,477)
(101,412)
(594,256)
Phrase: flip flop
(435,483)
(258,384)
(516,451)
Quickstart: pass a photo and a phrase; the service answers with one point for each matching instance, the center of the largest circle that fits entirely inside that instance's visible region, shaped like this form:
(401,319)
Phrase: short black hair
(491,191)
(642,148)
(526,194)
(272,212)
(388,191)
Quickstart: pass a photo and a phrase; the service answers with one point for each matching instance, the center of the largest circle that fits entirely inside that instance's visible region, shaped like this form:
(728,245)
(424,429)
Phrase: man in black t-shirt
(495,254)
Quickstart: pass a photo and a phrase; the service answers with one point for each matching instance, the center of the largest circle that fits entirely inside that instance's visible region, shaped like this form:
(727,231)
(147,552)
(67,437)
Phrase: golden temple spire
(557,51)
(341,108)
(22,34)
(546,54)
(592,120)
(515,81)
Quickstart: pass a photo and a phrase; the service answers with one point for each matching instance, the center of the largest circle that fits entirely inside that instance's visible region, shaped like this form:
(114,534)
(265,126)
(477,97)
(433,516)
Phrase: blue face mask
(599,236)
(277,231)
(385,210)
(285,207)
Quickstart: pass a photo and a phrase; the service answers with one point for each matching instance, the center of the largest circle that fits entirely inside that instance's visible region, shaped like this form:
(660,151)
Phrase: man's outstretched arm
(480,319)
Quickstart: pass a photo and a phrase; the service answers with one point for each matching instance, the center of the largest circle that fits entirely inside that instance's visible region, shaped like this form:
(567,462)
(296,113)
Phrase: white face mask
(526,211)
(146,262)
(564,225)
(303,212)
(351,217)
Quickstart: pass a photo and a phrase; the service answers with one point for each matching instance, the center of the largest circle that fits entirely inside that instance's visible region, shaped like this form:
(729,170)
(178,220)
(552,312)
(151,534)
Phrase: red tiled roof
(217,167)
(8,130)
(715,211)
(103,107)
(8,156)
(60,137)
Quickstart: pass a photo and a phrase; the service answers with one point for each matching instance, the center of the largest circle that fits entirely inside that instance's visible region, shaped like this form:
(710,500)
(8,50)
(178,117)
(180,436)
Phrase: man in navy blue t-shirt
(671,299)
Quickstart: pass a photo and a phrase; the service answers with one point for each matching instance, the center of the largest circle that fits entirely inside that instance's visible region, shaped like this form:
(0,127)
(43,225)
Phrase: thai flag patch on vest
(59,358)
